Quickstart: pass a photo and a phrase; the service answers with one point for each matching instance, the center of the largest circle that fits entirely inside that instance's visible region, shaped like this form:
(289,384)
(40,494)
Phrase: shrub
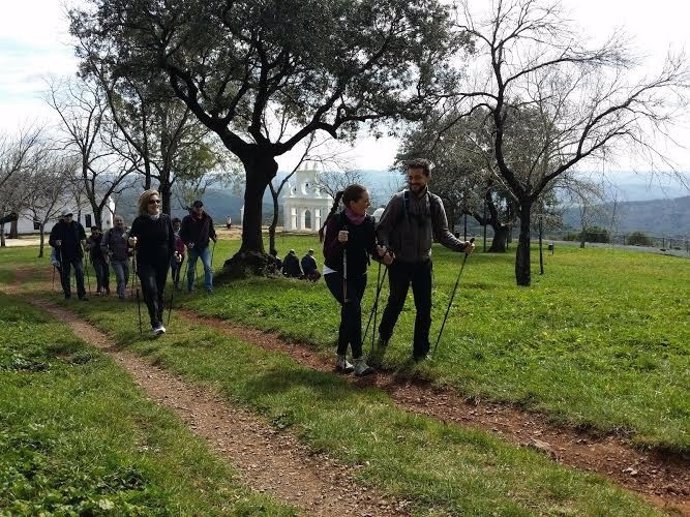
(639,239)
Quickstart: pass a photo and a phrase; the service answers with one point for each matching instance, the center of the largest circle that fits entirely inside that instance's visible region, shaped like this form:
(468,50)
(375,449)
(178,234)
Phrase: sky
(34,43)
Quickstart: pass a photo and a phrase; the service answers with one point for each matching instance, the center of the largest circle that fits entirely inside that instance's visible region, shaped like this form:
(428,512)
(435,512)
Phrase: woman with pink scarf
(348,242)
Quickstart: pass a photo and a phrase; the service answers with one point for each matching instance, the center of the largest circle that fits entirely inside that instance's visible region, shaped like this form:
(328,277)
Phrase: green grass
(601,341)
(78,438)
(442,469)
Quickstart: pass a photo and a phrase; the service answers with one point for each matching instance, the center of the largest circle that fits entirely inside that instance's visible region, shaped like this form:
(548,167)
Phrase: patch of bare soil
(268,460)
(662,478)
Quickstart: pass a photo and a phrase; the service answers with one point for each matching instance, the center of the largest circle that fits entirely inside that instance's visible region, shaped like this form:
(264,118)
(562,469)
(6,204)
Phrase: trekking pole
(88,277)
(374,308)
(452,295)
(137,283)
(172,293)
(345,300)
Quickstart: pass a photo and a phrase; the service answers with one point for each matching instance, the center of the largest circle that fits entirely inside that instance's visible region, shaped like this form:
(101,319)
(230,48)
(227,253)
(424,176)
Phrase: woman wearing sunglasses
(153,239)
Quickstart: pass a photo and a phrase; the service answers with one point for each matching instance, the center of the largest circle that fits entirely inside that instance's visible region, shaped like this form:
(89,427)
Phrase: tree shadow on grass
(308,384)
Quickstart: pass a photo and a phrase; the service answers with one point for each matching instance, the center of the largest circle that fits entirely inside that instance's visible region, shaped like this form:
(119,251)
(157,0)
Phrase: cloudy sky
(34,43)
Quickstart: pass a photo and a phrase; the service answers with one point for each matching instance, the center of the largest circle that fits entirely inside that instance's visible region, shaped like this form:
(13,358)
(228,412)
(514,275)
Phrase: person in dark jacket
(196,232)
(153,240)
(410,221)
(348,242)
(114,246)
(68,238)
(98,259)
(291,267)
(309,267)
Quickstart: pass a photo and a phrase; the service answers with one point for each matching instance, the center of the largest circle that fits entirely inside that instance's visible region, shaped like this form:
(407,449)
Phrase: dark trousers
(152,278)
(66,273)
(175,270)
(350,331)
(102,271)
(400,276)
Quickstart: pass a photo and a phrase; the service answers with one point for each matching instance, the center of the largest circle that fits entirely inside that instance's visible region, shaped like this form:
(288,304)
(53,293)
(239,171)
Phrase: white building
(81,212)
(305,206)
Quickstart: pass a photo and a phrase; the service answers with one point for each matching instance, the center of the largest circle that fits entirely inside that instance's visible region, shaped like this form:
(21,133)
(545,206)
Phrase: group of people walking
(401,241)
(155,243)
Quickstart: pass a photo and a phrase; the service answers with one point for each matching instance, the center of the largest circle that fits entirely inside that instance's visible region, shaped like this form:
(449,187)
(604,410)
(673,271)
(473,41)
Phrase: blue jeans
(205,255)
(121,270)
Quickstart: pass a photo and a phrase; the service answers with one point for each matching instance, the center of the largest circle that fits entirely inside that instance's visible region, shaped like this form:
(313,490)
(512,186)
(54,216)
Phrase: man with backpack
(69,238)
(408,225)
(114,246)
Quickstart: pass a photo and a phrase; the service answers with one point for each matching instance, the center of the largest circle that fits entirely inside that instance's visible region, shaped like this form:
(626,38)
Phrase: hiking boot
(362,368)
(342,365)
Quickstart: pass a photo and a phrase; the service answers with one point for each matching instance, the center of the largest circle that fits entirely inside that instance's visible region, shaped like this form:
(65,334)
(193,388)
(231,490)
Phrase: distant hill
(669,217)
(656,216)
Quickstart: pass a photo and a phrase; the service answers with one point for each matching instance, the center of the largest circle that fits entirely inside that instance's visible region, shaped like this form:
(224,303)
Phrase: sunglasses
(154,201)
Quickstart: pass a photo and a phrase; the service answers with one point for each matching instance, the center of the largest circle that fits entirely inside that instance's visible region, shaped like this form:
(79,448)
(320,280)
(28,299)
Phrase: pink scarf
(354,218)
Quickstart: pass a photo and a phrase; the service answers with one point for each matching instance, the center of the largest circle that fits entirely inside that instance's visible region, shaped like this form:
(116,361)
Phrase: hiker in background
(348,242)
(153,239)
(228,223)
(99,261)
(114,246)
(410,221)
(197,230)
(278,263)
(178,257)
(291,267)
(309,267)
(69,238)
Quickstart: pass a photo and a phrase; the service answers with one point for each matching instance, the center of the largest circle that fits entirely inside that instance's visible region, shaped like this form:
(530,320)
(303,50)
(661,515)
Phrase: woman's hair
(351,193)
(144,200)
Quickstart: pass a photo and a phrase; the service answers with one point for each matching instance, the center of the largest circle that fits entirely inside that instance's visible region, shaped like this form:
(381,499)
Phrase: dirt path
(663,479)
(268,460)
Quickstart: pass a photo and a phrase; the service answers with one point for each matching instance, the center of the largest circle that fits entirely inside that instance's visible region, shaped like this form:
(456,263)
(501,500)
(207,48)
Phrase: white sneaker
(342,365)
(158,330)
(362,368)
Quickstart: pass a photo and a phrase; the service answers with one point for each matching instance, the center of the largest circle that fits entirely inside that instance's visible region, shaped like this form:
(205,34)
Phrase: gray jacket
(114,244)
(409,223)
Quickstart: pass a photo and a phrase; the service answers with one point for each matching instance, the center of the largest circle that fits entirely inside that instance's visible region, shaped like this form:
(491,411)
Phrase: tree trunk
(14,230)
(2,236)
(41,240)
(166,195)
(274,224)
(251,259)
(522,257)
(499,244)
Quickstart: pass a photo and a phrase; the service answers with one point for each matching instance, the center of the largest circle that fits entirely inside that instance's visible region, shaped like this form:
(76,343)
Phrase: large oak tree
(239,66)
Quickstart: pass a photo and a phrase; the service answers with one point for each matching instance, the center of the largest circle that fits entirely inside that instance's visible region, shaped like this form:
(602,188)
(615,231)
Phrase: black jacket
(197,231)
(71,235)
(360,245)
(155,239)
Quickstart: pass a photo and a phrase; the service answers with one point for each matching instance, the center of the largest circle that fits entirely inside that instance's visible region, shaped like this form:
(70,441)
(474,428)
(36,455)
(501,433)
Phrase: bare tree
(47,185)
(589,100)
(17,158)
(82,109)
